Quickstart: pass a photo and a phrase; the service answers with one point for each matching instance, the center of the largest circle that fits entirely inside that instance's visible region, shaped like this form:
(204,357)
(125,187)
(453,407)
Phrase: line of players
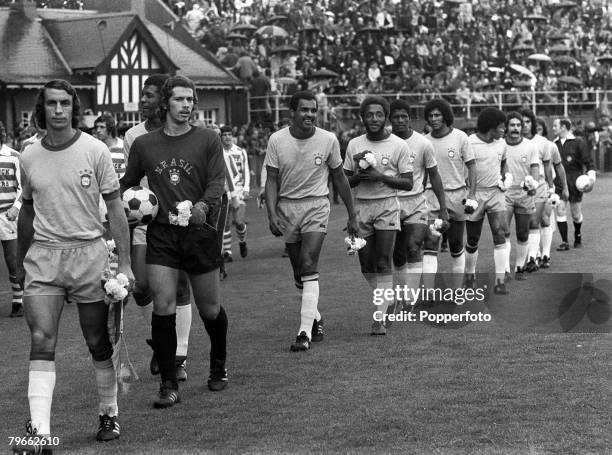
(503,170)
(388,196)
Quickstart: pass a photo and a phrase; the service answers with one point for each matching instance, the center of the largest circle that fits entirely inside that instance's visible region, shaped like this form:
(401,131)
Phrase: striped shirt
(10,178)
(118,157)
(241,161)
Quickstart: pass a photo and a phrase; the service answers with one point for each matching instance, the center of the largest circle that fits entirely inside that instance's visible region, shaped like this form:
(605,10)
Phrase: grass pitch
(526,382)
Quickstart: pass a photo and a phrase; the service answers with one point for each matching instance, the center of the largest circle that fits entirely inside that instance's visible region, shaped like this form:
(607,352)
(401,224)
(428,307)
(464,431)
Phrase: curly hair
(489,118)
(294,102)
(374,99)
(397,105)
(444,107)
(166,93)
(57,84)
(513,114)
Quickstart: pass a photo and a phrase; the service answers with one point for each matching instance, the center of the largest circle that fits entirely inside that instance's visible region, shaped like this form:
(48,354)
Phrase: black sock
(163,332)
(562,225)
(217,331)
(577,235)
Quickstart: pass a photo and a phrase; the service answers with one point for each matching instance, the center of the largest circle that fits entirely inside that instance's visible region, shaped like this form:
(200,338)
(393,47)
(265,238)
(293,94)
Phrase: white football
(141,204)
(583,184)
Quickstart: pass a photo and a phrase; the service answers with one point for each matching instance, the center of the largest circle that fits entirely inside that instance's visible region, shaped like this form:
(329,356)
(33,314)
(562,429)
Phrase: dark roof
(82,42)
(27,54)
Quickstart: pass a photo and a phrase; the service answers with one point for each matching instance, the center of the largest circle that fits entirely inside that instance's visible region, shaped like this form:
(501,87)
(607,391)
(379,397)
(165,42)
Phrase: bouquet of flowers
(530,184)
(470,205)
(365,159)
(438,227)
(183,215)
(354,244)
(115,286)
(554,198)
(505,182)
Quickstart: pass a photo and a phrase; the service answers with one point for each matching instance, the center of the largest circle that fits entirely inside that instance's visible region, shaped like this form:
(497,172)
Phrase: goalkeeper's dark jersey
(178,168)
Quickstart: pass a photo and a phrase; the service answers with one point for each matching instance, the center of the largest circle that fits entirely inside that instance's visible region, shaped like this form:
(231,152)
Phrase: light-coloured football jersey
(241,160)
(392,158)
(128,140)
(118,157)
(303,164)
(421,158)
(519,158)
(65,184)
(489,156)
(452,152)
(543,152)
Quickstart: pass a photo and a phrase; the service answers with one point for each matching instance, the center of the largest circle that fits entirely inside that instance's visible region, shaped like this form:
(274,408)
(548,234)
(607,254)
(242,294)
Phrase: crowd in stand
(431,47)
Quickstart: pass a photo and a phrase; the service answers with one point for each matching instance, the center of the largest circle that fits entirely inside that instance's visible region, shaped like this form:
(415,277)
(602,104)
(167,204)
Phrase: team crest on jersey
(175,176)
(524,158)
(451,153)
(318,160)
(86,178)
(385,160)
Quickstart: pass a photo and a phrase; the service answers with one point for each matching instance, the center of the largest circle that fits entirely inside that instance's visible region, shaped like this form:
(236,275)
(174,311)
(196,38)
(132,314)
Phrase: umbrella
(285,48)
(456,2)
(536,17)
(285,80)
(521,83)
(523,47)
(605,59)
(570,80)
(564,59)
(561,5)
(521,69)
(557,36)
(269,31)
(236,36)
(243,28)
(273,19)
(496,69)
(323,73)
(368,29)
(540,57)
(560,48)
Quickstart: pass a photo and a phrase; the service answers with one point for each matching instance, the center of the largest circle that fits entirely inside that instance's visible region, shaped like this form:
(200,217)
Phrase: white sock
(522,249)
(41,383)
(106,382)
(147,313)
(430,268)
(310,300)
(546,238)
(470,262)
(408,277)
(183,326)
(533,243)
(508,251)
(499,259)
(384,281)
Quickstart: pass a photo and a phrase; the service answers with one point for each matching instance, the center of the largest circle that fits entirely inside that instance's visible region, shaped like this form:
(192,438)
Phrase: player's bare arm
(120,232)
(403,182)
(354,179)
(345,193)
(25,234)
(438,189)
(471,166)
(276,226)
(548,175)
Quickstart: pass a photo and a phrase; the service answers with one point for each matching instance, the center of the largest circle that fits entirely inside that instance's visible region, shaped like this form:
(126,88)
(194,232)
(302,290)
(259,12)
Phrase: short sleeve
(534,156)
(466,150)
(545,150)
(349,163)
(105,172)
(334,159)
(555,156)
(403,160)
(271,154)
(428,155)
(26,189)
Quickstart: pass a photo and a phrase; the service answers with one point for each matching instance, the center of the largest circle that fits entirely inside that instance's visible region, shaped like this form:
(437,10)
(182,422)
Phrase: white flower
(110,245)
(354,244)
(115,290)
(435,227)
(122,280)
(508,180)
(184,207)
(370,158)
(530,183)
(554,198)
(363,164)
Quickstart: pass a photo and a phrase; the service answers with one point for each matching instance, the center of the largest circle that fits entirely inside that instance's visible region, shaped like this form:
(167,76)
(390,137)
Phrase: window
(131,118)
(25,118)
(208,116)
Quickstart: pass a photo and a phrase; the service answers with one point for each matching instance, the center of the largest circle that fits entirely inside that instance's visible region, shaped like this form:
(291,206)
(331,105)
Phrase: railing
(346,107)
